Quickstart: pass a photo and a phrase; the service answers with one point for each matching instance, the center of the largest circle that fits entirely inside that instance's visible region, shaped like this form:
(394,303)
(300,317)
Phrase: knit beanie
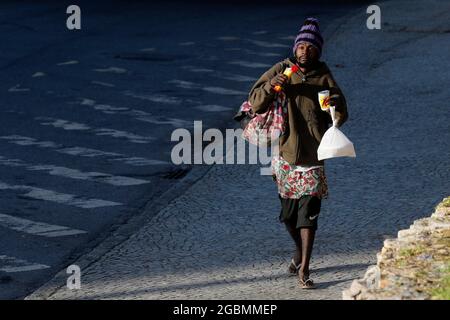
(309,32)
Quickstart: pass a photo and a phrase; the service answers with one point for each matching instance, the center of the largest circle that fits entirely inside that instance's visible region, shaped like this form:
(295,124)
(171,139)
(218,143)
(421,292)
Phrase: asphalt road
(87,115)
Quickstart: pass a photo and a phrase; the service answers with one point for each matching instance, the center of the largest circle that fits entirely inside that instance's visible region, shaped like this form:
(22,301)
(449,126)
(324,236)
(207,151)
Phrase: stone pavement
(221,239)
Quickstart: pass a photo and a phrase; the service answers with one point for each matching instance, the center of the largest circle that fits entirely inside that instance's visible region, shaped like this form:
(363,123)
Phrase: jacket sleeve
(262,93)
(341,109)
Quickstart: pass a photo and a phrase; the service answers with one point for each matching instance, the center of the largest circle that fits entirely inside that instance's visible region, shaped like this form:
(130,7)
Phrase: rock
(372,277)
(408,265)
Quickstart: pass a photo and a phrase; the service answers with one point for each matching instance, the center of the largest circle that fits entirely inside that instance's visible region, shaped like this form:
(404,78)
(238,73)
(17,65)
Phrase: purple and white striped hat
(310,33)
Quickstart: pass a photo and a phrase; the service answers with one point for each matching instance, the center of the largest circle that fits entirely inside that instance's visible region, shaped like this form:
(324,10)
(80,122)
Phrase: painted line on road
(74,173)
(249,64)
(104,84)
(221,75)
(212,108)
(66,63)
(159,98)
(287,38)
(37,228)
(81,151)
(148,49)
(136,114)
(58,197)
(112,70)
(265,44)
(38,74)
(263,54)
(17,88)
(12,264)
(67,125)
(227,38)
(187,43)
(218,90)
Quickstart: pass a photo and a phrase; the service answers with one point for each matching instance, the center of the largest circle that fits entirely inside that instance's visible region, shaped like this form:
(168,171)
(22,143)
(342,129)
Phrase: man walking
(299,175)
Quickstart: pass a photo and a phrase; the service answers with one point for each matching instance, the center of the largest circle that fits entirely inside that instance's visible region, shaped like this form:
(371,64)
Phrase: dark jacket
(307,122)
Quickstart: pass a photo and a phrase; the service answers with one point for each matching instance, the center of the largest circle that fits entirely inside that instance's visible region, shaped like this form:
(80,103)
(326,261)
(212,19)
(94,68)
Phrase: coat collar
(320,69)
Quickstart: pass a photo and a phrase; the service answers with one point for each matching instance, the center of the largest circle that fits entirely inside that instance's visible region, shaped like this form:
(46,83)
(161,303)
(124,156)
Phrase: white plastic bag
(334,143)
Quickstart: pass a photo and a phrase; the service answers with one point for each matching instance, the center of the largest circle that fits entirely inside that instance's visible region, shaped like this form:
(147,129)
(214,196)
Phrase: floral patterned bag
(262,128)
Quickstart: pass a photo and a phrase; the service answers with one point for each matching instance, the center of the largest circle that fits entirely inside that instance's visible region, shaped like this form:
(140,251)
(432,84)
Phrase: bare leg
(295,235)
(307,241)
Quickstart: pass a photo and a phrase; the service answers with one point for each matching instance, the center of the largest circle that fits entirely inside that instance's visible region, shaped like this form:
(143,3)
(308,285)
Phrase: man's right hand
(279,80)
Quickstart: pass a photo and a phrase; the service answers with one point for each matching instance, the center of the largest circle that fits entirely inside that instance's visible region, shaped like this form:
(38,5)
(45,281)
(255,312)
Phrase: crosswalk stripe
(90,176)
(136,113)
(81,151)
(36,228)
(62,198)
(221,75)
(159,98)
(12,264)
(250,64)
(68,125)
(218,90)
(265,44)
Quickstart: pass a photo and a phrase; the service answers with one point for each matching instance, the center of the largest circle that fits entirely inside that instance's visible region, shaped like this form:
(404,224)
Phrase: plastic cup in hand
(324,97)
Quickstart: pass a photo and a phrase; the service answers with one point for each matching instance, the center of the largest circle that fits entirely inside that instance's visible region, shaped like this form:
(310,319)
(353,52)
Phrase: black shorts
(303,212)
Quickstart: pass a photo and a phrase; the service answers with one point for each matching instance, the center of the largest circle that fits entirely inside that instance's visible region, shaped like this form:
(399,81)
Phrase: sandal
(293,268)
(306,284)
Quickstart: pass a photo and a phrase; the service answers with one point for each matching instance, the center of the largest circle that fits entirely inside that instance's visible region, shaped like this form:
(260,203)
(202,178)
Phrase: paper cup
(323,99)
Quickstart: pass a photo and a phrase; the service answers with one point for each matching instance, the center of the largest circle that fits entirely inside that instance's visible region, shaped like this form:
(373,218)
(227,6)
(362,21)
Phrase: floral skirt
(296,181)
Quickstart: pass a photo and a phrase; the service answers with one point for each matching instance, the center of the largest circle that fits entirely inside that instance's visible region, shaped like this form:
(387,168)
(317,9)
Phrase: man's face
(306,54)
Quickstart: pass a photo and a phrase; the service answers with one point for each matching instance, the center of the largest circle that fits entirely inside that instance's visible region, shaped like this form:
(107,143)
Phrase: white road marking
(224,91)
(81,151)
(67,125)
(260,32)
(265,44)
(226,38)
(177,123)
(137,114)
(235,77)
(38,74)
(287,38)
(105,84)
(87,102)
(61,198)
(66,63)
(148,49)
(11,264)
(195,69)
(36,228)
(221,75)
(17,88)
(188,43)
(74,173)
(107,107)
(112,70)
(213,108)
(263,53)
(64,124)
(196,86)
(160,98)
(184,84)
(250,64)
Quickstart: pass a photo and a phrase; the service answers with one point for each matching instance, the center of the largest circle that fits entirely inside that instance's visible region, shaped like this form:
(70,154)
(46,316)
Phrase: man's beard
(306,65)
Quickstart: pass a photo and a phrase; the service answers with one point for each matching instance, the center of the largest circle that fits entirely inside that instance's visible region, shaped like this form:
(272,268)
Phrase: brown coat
(307,122)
